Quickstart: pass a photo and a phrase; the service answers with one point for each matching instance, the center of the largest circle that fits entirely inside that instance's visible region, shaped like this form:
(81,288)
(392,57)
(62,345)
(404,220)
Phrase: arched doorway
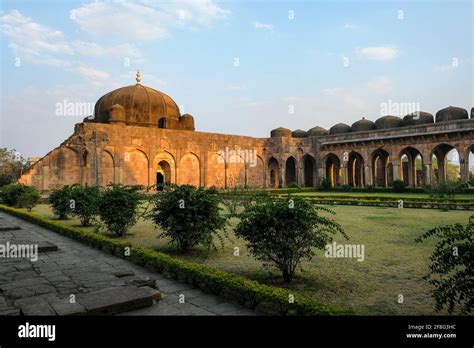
(290,172)
(445,163)
(355,167)
(411,167)
(273,173)
(333,166)
(163,175)
(382,171)
(308,170)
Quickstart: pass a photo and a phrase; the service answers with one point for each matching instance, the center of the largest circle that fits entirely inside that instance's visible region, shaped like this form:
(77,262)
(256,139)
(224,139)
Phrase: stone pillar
(345,174)
(427,173)
(464,167)
(396,170)
(369,180)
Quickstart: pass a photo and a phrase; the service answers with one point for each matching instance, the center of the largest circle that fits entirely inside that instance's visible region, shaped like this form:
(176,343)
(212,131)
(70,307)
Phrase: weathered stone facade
(140,139)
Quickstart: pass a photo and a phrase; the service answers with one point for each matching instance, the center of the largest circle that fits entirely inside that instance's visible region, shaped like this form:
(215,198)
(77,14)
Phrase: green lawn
(378,194)
(393,263)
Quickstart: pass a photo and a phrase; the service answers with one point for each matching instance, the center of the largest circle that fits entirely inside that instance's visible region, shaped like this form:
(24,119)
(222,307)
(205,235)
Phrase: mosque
(137,136)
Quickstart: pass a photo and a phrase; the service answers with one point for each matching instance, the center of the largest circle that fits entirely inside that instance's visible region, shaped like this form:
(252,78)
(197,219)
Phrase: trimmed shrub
(188,216)
(85,203)
(452,267)
(399,186)
(325,185)
(11,193)
(118,208)
(282,233)
(60,201)
(29,198)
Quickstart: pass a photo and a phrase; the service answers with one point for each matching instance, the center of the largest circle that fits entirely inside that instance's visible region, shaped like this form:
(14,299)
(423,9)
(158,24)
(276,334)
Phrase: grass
(393,263)
(378,194)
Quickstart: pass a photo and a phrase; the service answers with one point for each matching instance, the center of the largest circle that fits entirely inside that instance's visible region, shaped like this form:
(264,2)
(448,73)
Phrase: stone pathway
(100,283)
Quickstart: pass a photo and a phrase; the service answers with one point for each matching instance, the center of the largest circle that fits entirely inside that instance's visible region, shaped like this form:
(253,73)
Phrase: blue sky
(328,61)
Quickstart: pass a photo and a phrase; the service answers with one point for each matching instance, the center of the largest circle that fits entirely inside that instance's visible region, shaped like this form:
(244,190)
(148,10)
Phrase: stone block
(115,300)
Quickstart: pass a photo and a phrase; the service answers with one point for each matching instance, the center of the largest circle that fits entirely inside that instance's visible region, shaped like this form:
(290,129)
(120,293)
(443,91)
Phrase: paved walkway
(41,287)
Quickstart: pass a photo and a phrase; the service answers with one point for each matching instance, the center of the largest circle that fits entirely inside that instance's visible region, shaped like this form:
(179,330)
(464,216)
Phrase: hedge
(249,293)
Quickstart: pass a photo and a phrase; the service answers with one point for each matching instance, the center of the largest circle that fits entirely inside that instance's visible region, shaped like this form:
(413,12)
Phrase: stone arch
(442,169)
(216,170)
(68,166)
(333,168)
(190,170)
(355,169)
(411,170)
(469,163)
(163,163)
(382,169)
(107,167)
(273,173)
(256,173)
(290,171)
(135,168)
(236,174)
(309,170)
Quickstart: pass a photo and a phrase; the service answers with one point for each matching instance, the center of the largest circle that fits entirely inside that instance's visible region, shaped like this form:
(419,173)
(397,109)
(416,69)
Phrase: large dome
(136,105)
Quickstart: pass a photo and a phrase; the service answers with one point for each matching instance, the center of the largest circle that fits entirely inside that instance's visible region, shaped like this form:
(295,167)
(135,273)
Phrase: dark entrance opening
(160,181)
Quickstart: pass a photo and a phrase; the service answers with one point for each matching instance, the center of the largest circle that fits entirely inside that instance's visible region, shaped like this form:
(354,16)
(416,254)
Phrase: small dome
(187,121)
(317,131)
(340,128)
(451,113)
(363,125)
(280,132)
(416,118)
(387,122)
(299,134)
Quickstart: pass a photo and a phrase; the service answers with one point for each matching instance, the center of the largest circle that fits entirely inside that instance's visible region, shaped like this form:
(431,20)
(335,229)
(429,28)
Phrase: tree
(188,216)
(452,266)
(12,165)
(118,208)
(29,198)
(61,201)
(86,200)
(282,233)
(11,194)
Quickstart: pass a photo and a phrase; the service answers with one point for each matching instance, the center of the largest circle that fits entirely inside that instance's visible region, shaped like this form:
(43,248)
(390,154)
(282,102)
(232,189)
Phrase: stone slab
(65,307)
(115,300)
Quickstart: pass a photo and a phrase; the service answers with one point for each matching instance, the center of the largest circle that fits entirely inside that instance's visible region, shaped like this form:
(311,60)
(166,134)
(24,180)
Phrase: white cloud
(378,52)
(349,26)
(263,26)
(92,73)
(380,84)
(31,39)
(145,20)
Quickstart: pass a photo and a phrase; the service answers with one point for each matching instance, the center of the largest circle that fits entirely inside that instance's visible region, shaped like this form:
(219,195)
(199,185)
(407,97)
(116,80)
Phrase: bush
(60,201)
(29,198)
(444,189)
(188,216)
(325,185)
(399,186)
(86,200)
(118,208)
(294,185)
(345,188)
(452,267)
(283,232)
(11,193)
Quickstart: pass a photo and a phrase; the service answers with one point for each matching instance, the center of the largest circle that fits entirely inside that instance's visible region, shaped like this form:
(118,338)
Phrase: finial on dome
(138,77)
